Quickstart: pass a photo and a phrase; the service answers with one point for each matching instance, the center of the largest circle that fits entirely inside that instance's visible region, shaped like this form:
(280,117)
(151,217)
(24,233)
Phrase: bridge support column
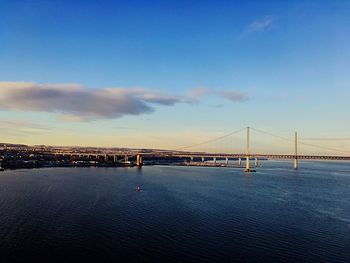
(239,161)
(139,160)
(226,160)
(296,165)
(214,159)
(191,158)
(256,162)
(202,159)
(106,157)
(115,158)
(247,164)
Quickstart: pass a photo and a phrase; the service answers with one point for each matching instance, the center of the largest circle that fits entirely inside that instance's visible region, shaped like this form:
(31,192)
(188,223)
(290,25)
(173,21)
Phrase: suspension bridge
(203,156)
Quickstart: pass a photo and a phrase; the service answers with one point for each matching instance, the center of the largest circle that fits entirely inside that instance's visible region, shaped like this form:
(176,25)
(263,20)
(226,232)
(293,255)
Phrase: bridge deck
(214,155)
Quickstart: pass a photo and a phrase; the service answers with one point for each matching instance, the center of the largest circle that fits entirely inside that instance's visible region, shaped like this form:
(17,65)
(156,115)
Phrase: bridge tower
(296,151)
(247,166)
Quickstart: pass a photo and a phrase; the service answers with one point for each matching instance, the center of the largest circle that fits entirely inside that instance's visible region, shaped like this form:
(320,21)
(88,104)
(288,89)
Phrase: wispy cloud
(216,105)
(77,103)
(259,25)
(194,95)
(22,127)
(234,96)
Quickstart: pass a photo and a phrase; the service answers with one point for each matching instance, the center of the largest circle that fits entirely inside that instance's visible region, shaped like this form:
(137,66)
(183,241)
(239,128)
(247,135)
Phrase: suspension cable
(273,135)
(211,140)
(302,143)
(324,148)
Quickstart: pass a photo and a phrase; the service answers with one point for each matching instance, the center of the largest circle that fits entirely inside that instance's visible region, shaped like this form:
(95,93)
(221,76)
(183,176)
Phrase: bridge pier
(214,159)
(226,160)
(202,159)
(247,164)
(296,165)
(115,158)
(139,160)
(256,162)
(239,161)
(296,151)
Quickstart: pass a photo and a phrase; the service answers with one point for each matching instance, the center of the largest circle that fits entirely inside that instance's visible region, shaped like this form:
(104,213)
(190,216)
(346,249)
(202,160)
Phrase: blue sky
(165,74)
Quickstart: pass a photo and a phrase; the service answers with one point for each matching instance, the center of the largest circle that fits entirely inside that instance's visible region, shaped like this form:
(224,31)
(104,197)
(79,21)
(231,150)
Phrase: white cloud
(260,25)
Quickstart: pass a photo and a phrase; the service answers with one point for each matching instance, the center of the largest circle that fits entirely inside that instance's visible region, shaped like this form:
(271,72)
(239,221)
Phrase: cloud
(260,25)
(22,128)
(194,95)
(77,103)
(161,99)
(197,92)
(234,96)
(216,105)
(20,124)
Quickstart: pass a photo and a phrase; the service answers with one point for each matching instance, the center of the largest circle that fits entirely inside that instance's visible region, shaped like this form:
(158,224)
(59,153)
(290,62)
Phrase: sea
(180,214)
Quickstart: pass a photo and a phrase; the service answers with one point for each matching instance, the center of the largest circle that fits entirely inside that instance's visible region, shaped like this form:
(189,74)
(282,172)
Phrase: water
(183,214)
